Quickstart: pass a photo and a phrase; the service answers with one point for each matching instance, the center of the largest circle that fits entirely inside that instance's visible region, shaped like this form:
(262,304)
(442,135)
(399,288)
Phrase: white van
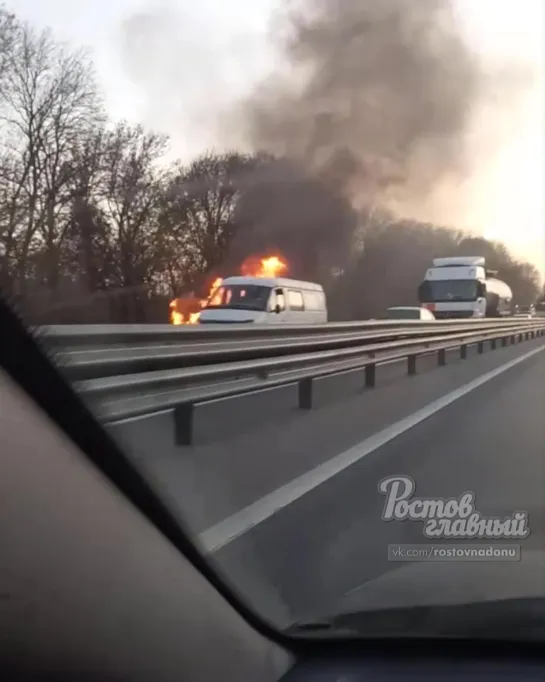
(265,301)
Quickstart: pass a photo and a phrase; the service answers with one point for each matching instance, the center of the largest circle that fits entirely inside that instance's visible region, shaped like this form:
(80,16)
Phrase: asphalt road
(289,508)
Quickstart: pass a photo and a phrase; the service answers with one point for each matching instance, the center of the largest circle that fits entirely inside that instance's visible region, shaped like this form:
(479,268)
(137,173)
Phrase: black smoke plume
(378,96)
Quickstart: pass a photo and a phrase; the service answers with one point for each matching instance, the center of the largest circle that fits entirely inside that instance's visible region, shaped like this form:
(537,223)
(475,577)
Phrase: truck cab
(454,287)
(462,287)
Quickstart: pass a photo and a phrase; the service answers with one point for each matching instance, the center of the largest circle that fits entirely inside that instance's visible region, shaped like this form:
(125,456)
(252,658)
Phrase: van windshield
(240,296)
(447,290)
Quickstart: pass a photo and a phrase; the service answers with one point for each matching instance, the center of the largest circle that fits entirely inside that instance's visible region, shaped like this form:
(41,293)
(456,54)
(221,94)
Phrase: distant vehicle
(463,287)
(265,301)
(409,313)
(529,310)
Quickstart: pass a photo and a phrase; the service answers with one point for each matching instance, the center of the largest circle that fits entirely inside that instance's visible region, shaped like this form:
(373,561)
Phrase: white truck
(461,286)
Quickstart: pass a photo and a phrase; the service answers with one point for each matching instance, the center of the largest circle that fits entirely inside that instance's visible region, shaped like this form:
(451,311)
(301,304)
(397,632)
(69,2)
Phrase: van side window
(311,300)
(295,300)
(314,300)
(278,298)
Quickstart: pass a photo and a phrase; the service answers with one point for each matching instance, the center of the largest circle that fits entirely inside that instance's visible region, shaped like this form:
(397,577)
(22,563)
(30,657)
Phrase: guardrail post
(463,352)
(442,357)
(183,424)
(504,341)
(513,339)
(493,344)
(411,364)
(305,393)
(480,347)
(370,375)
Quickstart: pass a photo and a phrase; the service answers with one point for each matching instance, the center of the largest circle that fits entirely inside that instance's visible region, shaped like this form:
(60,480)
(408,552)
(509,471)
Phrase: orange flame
(175,316)
(253,266)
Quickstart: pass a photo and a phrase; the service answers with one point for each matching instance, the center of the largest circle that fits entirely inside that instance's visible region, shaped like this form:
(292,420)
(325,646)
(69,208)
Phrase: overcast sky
(229,50)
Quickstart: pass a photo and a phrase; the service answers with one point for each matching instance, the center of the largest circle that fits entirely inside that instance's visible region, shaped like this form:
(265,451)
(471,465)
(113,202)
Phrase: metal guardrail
(107,335)
(179,377)
(96,352)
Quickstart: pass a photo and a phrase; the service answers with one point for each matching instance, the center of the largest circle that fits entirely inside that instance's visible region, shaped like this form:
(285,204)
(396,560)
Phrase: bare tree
(8,163)
(8,29)
(525,281)
(86,251)
(130,197)
(199,215)
(50,100)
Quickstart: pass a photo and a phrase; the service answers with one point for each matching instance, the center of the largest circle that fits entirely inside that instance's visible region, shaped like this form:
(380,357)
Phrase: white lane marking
(242,521)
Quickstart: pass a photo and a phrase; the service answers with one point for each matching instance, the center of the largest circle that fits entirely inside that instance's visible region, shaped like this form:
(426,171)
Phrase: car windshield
(244,296)
(322,466)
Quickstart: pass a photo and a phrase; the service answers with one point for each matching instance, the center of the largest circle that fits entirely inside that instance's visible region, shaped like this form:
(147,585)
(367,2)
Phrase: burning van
(187,309)
(260,295)
(261,300)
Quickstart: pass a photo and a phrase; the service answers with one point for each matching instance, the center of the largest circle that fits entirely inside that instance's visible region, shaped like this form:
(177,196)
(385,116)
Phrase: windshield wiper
(522,618)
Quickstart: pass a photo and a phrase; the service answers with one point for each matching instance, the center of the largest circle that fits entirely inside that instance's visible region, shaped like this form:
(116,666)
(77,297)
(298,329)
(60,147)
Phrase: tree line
(97,226)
